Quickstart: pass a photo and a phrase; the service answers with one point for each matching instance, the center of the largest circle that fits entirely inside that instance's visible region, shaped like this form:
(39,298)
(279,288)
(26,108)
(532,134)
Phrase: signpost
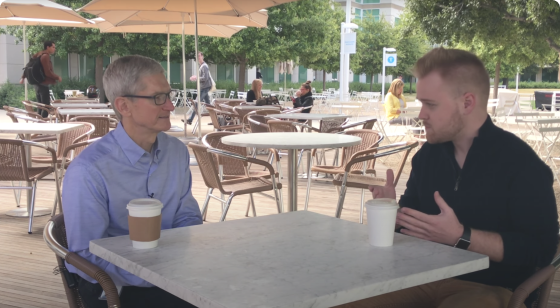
(389,59)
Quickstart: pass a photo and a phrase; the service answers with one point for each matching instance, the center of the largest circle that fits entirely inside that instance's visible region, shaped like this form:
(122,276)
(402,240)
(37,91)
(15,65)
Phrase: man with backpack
(206,83)
(41,79)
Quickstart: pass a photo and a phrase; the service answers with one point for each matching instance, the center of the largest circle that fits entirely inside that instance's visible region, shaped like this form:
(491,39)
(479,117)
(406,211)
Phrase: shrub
(13,94)
(536,85)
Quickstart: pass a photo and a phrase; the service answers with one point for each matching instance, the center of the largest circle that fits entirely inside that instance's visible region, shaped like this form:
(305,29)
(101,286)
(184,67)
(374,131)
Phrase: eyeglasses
(159,99)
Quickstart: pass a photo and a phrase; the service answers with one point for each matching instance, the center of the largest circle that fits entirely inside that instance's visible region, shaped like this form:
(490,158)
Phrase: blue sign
(391,59)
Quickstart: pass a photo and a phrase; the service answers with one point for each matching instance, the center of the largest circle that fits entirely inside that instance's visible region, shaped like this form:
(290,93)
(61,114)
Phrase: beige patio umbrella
(38,12)
(181,11)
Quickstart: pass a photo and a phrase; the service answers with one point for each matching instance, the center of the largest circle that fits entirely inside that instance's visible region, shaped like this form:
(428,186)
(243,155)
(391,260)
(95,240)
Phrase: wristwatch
(465,240)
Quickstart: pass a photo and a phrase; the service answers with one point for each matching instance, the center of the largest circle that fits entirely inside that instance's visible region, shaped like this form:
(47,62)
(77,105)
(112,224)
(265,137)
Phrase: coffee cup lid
(384,203)
(144,204)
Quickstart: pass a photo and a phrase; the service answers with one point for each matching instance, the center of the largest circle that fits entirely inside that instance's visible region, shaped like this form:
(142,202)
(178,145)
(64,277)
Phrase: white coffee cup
(144,222)
(381,216)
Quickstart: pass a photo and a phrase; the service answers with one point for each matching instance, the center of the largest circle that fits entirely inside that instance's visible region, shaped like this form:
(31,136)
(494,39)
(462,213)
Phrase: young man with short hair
(42,91)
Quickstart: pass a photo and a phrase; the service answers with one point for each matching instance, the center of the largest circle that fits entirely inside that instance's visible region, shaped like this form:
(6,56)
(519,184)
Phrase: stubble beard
(447,132)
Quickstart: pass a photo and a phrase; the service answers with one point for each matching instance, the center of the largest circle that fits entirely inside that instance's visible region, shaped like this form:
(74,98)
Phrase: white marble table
(299,259)
(27,129)
(306,116)
(291,142)
(79,105)
(77,112)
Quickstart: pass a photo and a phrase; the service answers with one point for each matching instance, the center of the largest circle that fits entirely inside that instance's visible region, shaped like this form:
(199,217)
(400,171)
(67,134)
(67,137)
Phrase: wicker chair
(42,109)
(266,112)
(17,115)
(13,167)
(214,113)
(54,235)
(66,139)
(234,187)
(347,179)
(370,139)
(366,124)
(101,124)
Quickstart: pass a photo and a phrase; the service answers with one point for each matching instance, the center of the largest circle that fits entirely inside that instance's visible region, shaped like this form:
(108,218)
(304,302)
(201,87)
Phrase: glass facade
(225,72)
(267,74)
(371,14)
(302,76)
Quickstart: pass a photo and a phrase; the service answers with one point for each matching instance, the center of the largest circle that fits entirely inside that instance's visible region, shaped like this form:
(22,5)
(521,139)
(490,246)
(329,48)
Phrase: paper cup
(381,216)
(144,222)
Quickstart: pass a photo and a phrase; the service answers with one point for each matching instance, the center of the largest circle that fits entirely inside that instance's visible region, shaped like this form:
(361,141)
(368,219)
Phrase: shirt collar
(132,150)
(485,132)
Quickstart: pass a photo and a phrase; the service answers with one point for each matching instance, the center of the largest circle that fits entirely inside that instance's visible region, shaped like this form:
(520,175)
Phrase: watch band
(465,240)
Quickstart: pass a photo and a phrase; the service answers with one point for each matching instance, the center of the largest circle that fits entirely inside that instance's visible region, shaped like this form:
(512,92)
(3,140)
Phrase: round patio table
(291,142)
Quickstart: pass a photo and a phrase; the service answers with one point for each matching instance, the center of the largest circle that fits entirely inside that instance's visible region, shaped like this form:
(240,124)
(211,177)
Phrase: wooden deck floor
(26,264)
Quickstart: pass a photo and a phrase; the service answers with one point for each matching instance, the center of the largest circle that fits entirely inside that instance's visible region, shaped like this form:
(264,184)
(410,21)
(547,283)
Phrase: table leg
(292,180)
(20,212)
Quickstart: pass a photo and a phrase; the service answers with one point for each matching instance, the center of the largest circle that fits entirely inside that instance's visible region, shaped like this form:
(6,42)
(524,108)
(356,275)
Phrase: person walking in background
(205,84)
(42,91)
(255,92)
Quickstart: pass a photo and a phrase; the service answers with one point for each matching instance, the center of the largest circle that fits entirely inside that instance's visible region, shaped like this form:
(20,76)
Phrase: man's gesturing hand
(444,228)
(387,191)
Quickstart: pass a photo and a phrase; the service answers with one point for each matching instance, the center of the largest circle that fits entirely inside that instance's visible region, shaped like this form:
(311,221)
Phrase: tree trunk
(371,83)
(505,81)
(241,87)
(558,70)
(324,80)
(99,77)
(496,80)
(410,89)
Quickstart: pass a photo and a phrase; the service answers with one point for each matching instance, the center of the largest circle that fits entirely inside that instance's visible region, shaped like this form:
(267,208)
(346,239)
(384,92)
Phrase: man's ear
(123,106)
(470,102)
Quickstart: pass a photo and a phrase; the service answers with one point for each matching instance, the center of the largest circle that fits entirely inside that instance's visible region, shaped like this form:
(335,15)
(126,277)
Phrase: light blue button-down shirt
(108,174)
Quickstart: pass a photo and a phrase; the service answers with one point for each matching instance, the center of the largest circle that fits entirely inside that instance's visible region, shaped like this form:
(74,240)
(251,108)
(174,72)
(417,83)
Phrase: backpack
(34,71)
(270,100)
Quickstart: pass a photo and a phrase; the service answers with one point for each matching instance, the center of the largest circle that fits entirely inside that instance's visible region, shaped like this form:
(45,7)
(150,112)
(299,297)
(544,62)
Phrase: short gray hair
(122,76)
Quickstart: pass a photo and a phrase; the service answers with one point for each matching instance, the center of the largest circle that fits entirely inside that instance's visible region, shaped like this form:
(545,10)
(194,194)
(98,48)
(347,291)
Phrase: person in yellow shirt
(394,102)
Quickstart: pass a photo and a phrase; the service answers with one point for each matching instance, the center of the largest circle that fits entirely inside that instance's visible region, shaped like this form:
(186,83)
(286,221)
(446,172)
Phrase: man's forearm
(487,243)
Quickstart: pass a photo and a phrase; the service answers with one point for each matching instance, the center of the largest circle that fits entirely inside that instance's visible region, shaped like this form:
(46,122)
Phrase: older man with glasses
(136,160)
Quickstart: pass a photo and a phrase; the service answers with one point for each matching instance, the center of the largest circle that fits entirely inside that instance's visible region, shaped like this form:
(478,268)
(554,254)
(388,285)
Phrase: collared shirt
(108,174)
(503,187)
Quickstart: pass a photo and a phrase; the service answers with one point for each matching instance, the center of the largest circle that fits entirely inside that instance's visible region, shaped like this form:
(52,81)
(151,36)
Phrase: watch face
(462,244)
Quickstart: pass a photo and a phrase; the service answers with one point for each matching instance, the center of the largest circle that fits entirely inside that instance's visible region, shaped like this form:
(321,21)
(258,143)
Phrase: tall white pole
(168,64)
(517,80)
(197,71)
(25,60)
(383,78)
(184,74)
(341,70)
(347,55)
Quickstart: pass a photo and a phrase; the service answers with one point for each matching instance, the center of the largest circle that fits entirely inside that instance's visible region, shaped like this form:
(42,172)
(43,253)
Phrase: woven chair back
(230,166)
(369,139)
(13,166)
(101,125)
(278,126)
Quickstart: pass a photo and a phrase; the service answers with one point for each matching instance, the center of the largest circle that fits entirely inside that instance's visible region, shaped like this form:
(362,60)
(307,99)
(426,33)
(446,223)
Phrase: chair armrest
(50,150)
(85,266)
(531,284)
(355,159)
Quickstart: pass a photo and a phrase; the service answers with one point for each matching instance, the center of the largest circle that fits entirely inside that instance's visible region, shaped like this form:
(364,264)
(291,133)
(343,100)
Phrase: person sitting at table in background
(394,102)
(468,190)
(304,97)
(255,92)
(205,84)
(136,160)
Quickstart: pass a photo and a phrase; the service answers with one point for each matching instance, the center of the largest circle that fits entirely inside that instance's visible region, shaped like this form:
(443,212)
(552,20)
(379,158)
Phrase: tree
(93,43)
(328,59)
(412,44)
(295,29)
(493,22)
(371,37)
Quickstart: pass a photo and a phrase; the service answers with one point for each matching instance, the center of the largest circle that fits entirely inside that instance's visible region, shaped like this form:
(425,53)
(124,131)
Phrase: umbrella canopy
(40,9)
(17,21)
(205,30)
(236,8)
(128,18)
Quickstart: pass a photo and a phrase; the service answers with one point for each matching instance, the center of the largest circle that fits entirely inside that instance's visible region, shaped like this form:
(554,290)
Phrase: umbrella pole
(25,58)
(197,71)
(168,64)
(184,78)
